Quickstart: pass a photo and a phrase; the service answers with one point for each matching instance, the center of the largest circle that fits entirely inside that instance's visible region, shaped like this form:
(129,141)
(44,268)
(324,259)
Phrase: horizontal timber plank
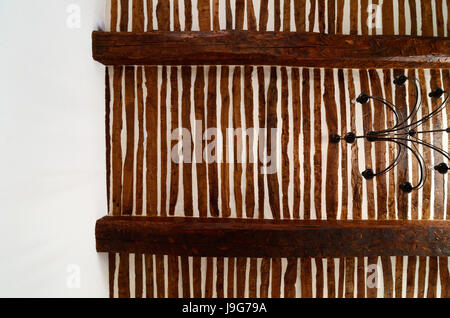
(270,48)
(271,238)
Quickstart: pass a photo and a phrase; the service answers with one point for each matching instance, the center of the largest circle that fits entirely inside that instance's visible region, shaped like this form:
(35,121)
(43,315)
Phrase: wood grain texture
(211,124)
(354,17)
(251,18)
(149,276)
(290,278)
(331,13)
(261,147)
(398,275)
(139,193)
(249,141)
(197,276)
(208,278)
(252,278)
(349,277)
(261,238)
(427,155)
(393,184)
(331,188)
(437,123)
(173,277)
(277,15)
(241,264)
(402,167)
(319,278)
(175,124)
(306,112)
(160,274)
(237,174)
(410,276)
(220,277)
(163,136)
(151,154)
(124,15)
(186,277)
(344,147)
(317,138)
(263,15)
(388,282)
(331,290)
(272,125)
(276,278)
(128,166)
(299,15)
(113,18)
(306,282)
(270,48)
(285,171)
(138,270)
(444,277)
(116,162)
(356,182)
(111,272)
(297,121)
(231,274)
(368,126)
(380,148)
(186,124)
(226,157)
(124,275)
(199,104)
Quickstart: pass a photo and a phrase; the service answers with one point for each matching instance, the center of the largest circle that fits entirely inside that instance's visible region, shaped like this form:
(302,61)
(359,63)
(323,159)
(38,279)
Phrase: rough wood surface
(270,48)
(271,238)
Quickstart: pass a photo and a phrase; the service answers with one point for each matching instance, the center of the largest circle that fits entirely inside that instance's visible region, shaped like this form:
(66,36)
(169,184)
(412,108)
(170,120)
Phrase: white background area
(52,157)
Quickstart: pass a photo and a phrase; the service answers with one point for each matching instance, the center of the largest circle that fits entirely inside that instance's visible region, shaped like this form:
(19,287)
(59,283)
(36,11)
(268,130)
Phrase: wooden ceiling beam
(270,48)
(271,238)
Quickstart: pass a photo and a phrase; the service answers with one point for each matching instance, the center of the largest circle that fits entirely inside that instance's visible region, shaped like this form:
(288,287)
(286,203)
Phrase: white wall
(52,159)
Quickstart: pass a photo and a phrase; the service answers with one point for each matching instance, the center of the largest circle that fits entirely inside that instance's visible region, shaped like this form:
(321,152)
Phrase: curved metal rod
(405,133)
(393,164)
(424,143)
(387,134)
(418,158)
(434,112)
(425,171)
(416,107)
(423,119)
(389,105)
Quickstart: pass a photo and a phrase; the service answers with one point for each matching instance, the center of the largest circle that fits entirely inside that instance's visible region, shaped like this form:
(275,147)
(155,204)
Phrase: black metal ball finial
(400,80)
(335,138)
(436,93)
(368,174)
(442,168)
(406,187)
(350,138)
(362,98)
(371,136)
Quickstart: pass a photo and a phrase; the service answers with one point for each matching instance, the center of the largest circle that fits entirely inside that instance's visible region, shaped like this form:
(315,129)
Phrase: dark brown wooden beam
(271,238)
(270,48)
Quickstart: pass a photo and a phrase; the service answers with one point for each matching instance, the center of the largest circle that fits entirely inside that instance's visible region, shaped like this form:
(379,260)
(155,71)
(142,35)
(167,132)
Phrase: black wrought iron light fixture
(404,133)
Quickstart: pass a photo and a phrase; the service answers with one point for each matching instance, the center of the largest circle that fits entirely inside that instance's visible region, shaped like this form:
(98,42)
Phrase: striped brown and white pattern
(315,179)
